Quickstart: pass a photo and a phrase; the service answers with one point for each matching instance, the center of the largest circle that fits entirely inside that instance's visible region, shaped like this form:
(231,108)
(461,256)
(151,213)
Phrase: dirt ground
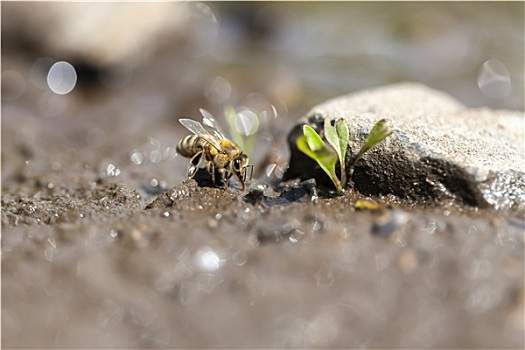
(105,245)
(206,268)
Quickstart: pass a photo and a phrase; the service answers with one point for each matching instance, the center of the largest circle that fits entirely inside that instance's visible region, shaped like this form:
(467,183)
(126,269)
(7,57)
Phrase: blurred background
(95,90)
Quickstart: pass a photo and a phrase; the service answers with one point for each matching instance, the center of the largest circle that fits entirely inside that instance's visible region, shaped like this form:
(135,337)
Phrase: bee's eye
(237,163)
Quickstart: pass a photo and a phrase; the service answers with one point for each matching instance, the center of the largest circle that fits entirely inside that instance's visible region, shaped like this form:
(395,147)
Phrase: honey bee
(212,148)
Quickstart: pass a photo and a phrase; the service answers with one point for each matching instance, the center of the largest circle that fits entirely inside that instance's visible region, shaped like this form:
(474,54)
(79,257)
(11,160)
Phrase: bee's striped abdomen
(190,145)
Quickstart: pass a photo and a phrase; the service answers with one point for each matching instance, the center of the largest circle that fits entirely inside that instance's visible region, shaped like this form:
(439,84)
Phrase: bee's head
(239,166)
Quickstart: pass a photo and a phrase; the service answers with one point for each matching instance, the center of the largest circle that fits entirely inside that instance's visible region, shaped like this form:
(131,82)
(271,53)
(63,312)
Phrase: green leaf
(343,134)
(337,136)
(330,133)
(378,133)
(313,139)
(325,157)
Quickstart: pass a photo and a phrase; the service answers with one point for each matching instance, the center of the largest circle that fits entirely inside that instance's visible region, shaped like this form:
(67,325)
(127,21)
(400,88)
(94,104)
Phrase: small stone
(439,151)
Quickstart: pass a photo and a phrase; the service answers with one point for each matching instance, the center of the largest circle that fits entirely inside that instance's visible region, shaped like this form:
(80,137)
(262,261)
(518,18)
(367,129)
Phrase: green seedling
(378,133)
(311,144)
(337,135)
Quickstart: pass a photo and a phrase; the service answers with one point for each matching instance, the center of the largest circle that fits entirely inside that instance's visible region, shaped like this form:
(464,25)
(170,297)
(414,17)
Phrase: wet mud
(271,267)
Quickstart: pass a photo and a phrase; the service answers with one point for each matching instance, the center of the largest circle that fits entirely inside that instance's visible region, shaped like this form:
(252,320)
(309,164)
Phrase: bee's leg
(211,170)
(223,172)
(194,165)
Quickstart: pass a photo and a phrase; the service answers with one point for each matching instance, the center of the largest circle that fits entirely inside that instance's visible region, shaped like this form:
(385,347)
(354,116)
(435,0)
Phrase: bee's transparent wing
(198,129)
(209,121)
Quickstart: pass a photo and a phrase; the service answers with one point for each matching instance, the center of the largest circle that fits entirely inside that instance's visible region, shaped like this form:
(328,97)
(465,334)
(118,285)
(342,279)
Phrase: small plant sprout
(378,133)
(311,144)
(337,135)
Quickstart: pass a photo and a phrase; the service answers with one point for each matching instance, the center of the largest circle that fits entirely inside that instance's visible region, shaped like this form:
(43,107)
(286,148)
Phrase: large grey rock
(440,149)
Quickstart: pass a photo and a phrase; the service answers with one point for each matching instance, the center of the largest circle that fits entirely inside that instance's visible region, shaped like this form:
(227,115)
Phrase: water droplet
(269,169)
(137,157)
(155,156)
(61,78)
(494,79)
(208,260)
(110,170)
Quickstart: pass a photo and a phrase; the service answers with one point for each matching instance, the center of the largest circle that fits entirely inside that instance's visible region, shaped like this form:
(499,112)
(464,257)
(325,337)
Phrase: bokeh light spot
(112,170)
(201,30)
(208,260)
(137,157)
(39,70)
(61,78)
(494,79)
(246,122)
